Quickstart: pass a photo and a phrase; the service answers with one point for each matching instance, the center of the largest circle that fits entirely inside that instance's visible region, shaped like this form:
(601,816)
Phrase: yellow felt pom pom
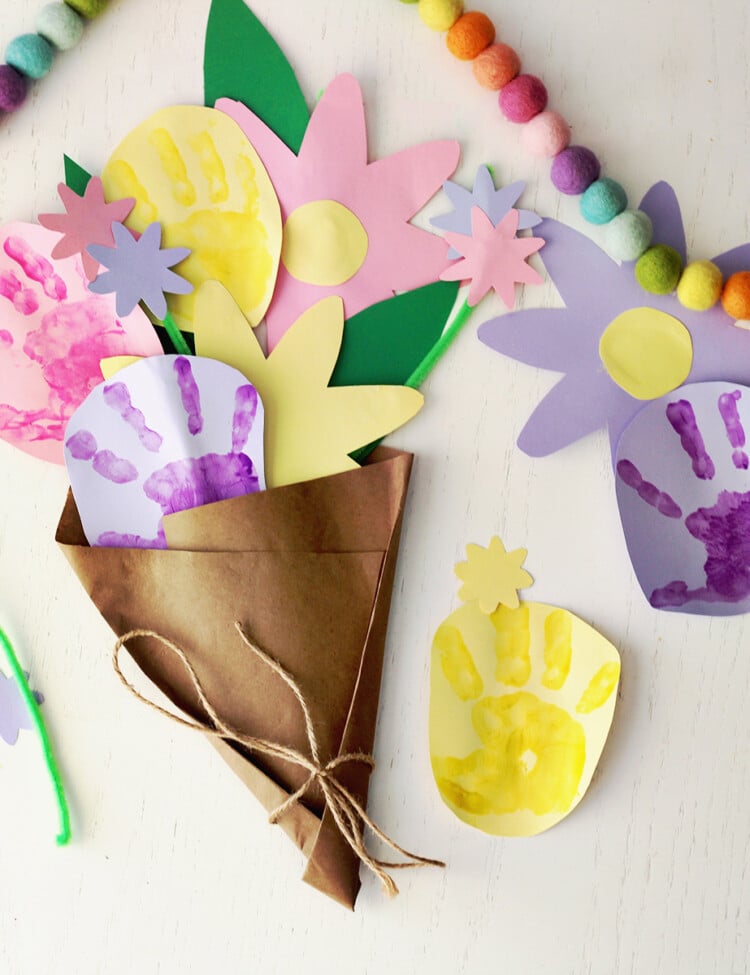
(440,14)
(700,286)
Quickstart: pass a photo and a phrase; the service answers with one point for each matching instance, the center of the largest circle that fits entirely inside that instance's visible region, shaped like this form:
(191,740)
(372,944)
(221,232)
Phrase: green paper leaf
(242,61)
(76,176)
(386,342)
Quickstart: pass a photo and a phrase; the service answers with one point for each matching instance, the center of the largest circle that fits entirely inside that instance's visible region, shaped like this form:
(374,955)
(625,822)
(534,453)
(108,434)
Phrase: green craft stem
(175,335)
(439,349)
(36,716)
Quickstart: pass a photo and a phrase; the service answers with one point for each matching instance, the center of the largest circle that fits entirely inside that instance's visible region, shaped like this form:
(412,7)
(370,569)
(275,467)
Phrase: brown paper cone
(308,570)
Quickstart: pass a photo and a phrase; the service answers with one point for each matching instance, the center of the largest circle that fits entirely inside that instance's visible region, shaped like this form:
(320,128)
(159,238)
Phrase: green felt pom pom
(628,235)
(603,200)
(60,25)
(87,8)
(700,286)
(31,55)
(658,270)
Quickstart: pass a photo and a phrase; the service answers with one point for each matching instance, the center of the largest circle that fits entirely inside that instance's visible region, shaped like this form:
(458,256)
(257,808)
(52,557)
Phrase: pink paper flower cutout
(87,220)
(493,257)
(346,220)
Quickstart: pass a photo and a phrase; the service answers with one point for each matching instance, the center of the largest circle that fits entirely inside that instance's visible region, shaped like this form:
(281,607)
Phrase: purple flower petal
(548,338)
(575,407)
(660,203)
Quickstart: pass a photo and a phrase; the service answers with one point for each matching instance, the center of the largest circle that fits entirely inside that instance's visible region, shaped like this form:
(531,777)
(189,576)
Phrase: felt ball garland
(576,171)
(59,27)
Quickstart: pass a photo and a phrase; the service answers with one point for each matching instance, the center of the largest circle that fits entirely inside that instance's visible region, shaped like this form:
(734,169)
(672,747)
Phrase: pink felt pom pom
(574,170)
(523,98)
(545,135)
(13,88)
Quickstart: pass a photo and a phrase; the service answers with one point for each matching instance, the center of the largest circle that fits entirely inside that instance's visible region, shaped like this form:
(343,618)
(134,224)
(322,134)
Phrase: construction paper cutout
(595,290)
(324,243)
(683,490)
(53,334)
(167,434)
(493,202)
(14,715)
(660,204)
(493,257)
(139,270)
(87,220)
(383,195)
(76,177)
(265,82)
(311,428)
(114,363)
(192,170)
(646,352)
(521,702)
(387,341)
(492,576)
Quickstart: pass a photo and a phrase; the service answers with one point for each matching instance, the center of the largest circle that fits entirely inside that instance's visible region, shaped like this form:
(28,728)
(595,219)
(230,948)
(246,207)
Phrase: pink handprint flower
(53,335)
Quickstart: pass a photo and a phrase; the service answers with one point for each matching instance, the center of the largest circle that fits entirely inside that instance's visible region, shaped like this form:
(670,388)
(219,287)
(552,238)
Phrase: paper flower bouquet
(218,517)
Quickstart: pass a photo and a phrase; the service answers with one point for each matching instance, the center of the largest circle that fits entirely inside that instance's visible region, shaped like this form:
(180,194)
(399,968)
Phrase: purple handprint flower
(683,489)
(14,715)
(204,444)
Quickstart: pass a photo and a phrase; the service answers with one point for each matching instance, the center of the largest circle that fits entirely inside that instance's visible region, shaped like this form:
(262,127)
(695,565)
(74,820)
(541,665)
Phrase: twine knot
(347,811)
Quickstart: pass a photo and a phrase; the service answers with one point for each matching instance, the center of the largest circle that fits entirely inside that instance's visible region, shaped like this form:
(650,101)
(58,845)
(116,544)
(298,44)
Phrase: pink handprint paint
(166,434)
(53,334)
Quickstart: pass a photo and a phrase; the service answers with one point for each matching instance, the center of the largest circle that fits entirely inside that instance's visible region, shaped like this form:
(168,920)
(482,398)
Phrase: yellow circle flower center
(648,353)
(324,243)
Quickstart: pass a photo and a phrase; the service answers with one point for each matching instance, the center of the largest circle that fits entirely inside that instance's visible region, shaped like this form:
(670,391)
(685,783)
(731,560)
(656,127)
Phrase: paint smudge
(192,482)
(23,299)
(733,425)
(36,267)
(245,408)
(682,418)
(648,492)
(117,397)
(191,397)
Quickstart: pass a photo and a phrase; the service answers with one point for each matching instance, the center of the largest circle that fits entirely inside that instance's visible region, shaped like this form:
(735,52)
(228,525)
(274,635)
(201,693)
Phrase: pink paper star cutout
(493,257)
(88,220)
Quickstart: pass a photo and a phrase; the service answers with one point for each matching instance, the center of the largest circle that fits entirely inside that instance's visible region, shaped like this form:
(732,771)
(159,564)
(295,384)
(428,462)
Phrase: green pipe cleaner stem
(175,335)
(36,716)
(439,349)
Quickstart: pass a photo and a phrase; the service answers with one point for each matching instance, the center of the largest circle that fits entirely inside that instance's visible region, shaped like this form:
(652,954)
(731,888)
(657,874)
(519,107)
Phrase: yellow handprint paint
(521,702)
(193,170)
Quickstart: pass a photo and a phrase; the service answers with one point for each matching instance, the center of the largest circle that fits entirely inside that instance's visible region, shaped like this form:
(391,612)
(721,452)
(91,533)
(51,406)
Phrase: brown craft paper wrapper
(308,570)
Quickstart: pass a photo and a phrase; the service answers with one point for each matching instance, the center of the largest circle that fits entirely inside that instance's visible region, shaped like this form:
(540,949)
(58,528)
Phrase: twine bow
(347,811)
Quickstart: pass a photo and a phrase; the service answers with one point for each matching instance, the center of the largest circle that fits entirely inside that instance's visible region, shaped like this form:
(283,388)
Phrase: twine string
(348,813)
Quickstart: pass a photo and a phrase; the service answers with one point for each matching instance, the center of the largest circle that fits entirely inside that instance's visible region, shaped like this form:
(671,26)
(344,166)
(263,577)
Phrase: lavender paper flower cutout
(601,295)
(493,202)
(139,270)
(14,715)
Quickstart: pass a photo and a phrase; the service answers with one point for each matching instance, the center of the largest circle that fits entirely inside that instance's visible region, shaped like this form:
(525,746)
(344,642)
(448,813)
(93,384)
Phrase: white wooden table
(172,868)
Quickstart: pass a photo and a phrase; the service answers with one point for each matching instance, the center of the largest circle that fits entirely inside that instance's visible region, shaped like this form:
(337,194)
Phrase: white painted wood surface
(172,868)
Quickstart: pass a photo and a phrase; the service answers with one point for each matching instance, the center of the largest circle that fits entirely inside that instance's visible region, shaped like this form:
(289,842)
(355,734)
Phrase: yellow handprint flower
(521,703)
(194,171)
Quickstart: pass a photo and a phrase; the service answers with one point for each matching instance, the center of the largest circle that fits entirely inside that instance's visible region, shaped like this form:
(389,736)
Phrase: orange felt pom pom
(735,298)
(470,35)
(495,66)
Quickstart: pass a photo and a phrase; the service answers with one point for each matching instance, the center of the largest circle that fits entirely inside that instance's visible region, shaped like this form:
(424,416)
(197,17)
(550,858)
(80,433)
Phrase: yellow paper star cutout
(491,575)
(310,428)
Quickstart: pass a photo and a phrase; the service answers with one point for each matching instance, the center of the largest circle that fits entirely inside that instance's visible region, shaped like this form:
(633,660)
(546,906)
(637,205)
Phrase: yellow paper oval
(514,756)
(647,352)
(324,243)
(193,170)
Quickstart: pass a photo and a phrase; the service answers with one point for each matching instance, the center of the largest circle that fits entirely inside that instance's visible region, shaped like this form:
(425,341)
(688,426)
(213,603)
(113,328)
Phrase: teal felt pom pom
(30,54)
(60,25)
(603,200)
(628,235)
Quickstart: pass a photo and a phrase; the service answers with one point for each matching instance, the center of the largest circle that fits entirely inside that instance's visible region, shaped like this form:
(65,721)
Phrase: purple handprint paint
(689,446)
(168,434)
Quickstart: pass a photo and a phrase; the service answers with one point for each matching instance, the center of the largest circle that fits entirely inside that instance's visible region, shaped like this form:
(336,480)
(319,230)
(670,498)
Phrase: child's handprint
(124,489)
(53,334)
(521,704)
(686,452)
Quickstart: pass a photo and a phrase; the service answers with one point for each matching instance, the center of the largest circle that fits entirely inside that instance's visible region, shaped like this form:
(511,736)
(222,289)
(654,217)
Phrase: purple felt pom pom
(13,88)
(574,170)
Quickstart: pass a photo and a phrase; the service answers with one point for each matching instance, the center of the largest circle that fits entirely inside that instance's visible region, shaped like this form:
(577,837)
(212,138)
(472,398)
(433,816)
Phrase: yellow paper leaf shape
(491,575)
(513,757)
(310,428)
(193,170)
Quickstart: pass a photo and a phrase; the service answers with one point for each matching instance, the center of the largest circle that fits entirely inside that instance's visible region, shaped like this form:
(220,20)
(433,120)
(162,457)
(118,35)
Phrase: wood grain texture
(172,868)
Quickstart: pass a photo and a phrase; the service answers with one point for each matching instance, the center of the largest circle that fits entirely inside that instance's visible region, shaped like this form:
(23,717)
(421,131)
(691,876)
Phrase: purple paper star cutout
(494,203)
(14,715)
(139,270)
